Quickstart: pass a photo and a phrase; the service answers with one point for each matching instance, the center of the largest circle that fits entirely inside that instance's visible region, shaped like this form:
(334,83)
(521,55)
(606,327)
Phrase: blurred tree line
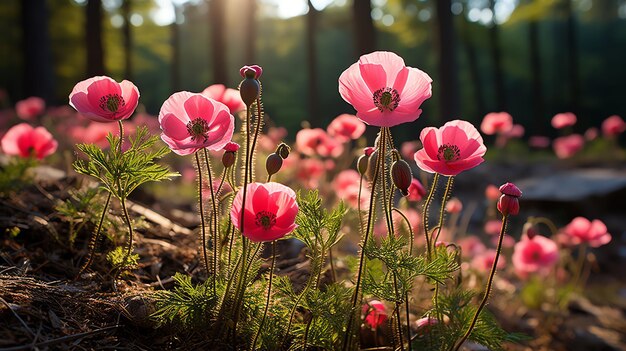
(533,58)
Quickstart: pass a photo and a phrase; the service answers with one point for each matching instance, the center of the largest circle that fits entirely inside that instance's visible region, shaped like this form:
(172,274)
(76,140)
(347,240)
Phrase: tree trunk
(472,61)
(175,42)
(537,122)
(251,28)
(38,71)
(446,48)
(572,54)
(93,37)
(365,35)
(128,40)
(311,54)
(498,78)
(217,15)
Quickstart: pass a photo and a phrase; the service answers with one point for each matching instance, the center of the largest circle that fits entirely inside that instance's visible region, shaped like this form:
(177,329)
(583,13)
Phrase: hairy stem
(492,274)
(269,294)
(425,210)
(201,206)
(95,237)
(442,210)
(215,227)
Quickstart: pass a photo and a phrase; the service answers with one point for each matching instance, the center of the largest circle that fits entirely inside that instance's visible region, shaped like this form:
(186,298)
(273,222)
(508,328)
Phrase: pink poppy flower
(309,171)
(30,108)
(591,134)
(484,261)
(270,211)
(492,192)
(451,149)
(346,127)
(454,205)
(584,231)
(563,120)
(471,246)
(102,99)
(539,141)
(383,91)
(227,96)
(269,141)
(316,142)
(536,255)
(423,325)
(93,133)
(25,141)
(613,126)
(568,146)
(496,123)
(191,122)
(375,313)
(345,179)
(416,190)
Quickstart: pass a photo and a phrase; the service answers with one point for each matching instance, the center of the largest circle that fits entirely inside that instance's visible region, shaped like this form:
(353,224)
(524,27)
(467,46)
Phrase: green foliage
(317,228)
(122,172)
(14,175)
(188,305)
(119,261)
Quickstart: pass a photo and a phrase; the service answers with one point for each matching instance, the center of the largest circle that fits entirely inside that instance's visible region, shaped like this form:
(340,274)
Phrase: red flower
(25,141)
(585,231)
(346,127)
(496,123)
(227,96)
(375,313)
(30,108)
(104,100)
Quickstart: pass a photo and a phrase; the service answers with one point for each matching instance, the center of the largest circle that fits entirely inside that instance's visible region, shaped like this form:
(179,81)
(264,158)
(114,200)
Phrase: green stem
(94,239)
(492,274)
(306,333)
(269,294)
(215,227)
(425,210)
(399,322)
(370,215)
(203,225)
(130,230)
(442,210)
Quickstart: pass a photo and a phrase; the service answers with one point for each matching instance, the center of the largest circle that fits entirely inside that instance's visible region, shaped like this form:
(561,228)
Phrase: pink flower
(492,192)
(613,126)
(93,133)
(484,261)
(383,91)
(492,227)
(309,171)
(539,141)
(270,211)
(454,205)
(25,141)
(451,149)
(584,231)
(345,179)
(517,131)
(104,100)
(254,71)
(227,96)
(30,108)
(591,134)
(423,325)
(416,190)
(568,146)
(508,203)
(375,313)
(316,142)
(346,127)
(563,120)
(536,255)
(274,136)
(471,246)
(496,123)
(191,122)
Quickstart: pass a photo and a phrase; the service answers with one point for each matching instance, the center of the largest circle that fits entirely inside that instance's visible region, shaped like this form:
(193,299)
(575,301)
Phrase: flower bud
(231,146)
(372,163)
(361,164)
(283,150)
(508,202)
(529,230)
(401,176)
(253,71)
(249,90)
(273,163)
(228,159)
(368,150)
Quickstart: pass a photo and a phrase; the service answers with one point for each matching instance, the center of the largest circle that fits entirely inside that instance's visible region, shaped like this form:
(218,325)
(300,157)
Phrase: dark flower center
(386,99)
(198,128)
(112,102)
(448,153)
(265,219)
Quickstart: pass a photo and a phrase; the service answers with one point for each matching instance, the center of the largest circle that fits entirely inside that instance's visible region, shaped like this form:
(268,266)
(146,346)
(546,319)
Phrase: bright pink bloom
(345,179)
(375,313)
(30,108)
(316,142)
(484,261)
(270,211)
(416,190)
(383,91)
(584,231)
(613,126)
(451,149)
(496,123)
(231,146)
(309,171)
(454,205)
(568,146)
(346,127)
(492,192)
(255,70)
(471,246)
(25,141)
(536,255)
(423,325)
(591,134)
(104,100)
(93,133)
(191,122)
(539,141)
(563,120)
(227,96)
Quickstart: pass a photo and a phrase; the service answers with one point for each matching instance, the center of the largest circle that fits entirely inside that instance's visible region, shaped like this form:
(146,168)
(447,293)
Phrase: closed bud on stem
(530,230)
(283,150)
(372,162)
(250,87)
(273,163)
(361,164)
(401,176)
(228,159)
(508,204)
